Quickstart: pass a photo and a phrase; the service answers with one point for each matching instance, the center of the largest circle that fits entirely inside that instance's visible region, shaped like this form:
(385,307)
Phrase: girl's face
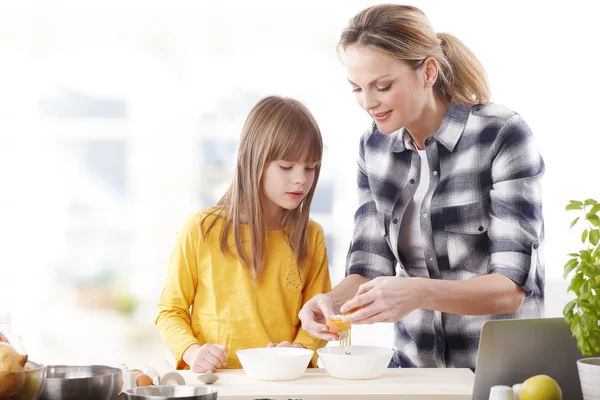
(285,184)
(387,88)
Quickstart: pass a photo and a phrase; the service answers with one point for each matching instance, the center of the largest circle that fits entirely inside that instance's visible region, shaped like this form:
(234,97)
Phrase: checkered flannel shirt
(481,214)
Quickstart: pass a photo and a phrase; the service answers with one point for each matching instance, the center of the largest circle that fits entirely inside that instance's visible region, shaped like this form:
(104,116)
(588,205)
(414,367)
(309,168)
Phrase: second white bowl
(365,362)
(275,363)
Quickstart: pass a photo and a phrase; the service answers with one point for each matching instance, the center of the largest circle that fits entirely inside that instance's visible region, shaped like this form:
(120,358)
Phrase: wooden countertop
(316,384)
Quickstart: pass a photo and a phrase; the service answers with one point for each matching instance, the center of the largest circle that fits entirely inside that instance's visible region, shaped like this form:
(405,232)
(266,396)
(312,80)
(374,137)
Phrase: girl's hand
(314,314)
(384,299)
(206,358)
(286,344)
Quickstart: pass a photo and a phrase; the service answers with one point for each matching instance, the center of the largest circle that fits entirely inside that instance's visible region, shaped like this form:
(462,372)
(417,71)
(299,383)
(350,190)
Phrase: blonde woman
(449,228)
(247,265)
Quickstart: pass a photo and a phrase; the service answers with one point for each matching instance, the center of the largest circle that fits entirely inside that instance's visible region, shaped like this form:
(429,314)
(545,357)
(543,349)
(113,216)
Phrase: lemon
(540,387)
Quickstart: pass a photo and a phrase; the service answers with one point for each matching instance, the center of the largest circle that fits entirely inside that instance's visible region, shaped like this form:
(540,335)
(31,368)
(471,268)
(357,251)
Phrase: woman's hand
(384,299)
(286,344)
(206,358)
(314,314)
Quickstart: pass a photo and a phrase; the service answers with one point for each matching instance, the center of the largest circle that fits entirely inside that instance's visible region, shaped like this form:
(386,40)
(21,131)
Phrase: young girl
(247,265)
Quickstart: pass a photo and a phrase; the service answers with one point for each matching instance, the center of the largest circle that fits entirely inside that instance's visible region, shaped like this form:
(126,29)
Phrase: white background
(172,61)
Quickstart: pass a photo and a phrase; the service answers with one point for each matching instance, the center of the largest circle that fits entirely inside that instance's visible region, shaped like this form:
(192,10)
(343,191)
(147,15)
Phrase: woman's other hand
(313,316)
(384,299)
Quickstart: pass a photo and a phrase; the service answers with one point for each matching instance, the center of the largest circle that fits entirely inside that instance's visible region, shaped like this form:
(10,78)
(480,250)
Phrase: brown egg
(143,380)
(137,371)
(337,325)
(331,328)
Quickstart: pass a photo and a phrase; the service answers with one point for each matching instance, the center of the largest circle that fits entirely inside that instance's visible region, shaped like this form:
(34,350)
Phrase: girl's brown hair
(277,128)
(404,32)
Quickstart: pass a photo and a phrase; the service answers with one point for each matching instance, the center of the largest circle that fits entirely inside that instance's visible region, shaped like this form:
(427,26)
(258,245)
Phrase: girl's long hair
(277,128)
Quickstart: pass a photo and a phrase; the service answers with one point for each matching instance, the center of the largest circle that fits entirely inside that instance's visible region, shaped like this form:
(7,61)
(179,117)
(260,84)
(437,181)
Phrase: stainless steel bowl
(169,392)
(90,382)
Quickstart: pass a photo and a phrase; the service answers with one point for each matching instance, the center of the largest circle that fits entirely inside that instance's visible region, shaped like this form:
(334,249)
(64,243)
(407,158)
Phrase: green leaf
(573,254)
(568,310)
(575,324)
(595,209)
(590,202)
(574,222)
(586,256)
(592,217)
(570,266)
(585,295)
(594,236)
(576,283)
(574,206)
(584,236)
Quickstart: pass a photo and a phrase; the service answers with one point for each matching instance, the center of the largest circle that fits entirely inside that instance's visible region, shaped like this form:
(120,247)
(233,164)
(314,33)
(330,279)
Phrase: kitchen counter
(316,384)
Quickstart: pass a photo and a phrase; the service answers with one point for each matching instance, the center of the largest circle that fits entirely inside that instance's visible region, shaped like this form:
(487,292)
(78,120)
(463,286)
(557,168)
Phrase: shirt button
(424,215)
(536,245)
(395,221)
(480,229)
(434,173)
(430,259)
(412,181)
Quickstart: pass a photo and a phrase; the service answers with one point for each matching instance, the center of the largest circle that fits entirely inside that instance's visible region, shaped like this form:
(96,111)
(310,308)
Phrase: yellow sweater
(227,306)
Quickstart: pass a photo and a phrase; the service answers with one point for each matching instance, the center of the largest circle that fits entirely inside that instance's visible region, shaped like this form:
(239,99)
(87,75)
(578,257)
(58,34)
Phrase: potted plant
(583,312)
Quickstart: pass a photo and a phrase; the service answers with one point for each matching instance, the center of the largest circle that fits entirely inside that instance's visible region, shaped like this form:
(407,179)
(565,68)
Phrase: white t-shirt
(410,241)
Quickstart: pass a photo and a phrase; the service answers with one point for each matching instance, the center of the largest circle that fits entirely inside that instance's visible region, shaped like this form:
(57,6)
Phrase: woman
(449,228)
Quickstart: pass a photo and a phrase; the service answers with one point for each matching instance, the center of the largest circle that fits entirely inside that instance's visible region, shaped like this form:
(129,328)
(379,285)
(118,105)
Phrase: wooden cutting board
(316,384)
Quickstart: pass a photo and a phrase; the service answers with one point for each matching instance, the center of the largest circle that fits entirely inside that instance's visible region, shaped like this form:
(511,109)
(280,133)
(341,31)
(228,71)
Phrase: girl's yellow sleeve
(318,282)
(174,319)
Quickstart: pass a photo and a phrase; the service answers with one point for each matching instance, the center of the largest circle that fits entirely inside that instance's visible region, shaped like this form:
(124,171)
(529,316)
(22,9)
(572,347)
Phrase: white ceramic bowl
(275,363)
(365,362)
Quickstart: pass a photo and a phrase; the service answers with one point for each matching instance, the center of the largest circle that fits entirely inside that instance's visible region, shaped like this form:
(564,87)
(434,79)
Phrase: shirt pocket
(466,227)
(292,278)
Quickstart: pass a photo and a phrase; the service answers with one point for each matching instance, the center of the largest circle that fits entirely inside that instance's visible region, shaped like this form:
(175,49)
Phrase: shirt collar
(448,134)
(453,125)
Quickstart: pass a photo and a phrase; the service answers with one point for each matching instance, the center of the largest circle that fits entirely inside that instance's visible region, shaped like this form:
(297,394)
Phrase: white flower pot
(589,376)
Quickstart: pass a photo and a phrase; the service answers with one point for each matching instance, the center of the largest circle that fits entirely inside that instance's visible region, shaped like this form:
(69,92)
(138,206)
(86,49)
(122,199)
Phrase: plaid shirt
(481,214)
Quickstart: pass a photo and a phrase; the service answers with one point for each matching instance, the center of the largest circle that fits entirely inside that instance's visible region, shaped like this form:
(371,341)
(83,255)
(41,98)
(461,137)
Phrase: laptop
(513,350)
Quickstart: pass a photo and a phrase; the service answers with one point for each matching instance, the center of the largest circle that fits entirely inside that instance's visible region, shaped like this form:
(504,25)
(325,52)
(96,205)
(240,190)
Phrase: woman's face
(385,87)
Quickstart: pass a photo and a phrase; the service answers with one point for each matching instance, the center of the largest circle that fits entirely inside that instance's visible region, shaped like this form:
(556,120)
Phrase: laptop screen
(510,351)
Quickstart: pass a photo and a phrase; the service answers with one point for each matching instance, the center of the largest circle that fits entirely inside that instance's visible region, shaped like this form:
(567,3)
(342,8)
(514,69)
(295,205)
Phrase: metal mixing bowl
(170,392)
(89,382)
